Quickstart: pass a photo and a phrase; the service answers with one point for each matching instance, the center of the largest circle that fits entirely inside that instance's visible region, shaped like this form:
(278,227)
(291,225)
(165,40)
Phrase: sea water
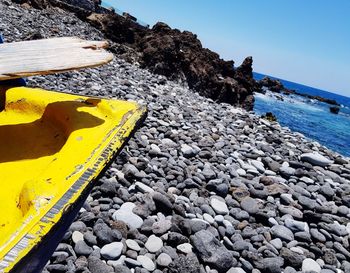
(307,116)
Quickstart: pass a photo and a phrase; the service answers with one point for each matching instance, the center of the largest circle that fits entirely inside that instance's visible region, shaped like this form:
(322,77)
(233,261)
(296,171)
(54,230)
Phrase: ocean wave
(264,97)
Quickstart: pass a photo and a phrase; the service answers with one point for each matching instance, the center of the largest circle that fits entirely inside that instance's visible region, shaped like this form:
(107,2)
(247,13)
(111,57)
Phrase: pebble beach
(201,186)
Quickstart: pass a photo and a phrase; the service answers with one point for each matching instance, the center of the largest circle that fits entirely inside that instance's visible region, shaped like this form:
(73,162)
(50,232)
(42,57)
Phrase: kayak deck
(52,145)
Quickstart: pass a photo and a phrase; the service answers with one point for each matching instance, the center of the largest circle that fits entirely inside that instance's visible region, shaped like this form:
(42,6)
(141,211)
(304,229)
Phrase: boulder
(271,84)
(269,116)
(334,109)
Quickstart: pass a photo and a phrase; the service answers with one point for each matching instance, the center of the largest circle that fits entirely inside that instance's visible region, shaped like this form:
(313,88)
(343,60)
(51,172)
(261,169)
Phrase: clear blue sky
(305,41)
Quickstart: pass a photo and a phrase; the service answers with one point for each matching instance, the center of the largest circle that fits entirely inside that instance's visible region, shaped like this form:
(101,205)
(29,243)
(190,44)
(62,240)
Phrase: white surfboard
(48,56)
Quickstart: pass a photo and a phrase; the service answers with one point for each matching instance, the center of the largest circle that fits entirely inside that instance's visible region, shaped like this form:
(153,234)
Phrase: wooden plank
(48,56)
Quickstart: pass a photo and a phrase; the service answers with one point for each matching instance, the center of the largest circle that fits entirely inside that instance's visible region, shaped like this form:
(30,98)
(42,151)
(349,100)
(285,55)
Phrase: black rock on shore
(276,86)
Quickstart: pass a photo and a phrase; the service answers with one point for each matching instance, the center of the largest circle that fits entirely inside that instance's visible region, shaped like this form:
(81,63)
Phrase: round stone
(112,251)
(132,245)
(81,248)
(236,270)
(282,232)
(185,248)
(131,262)
(219,218)
(241,172)
(143,188)
(277,243)
(146,262)
(77,236)
(126,215)
(296,225)
(219,206)
(258,165)
(207,217)
(297,250)
(310,266)
(161,227)
(187,151)
(250,205)
(154,244)
(164,260)
(316,159)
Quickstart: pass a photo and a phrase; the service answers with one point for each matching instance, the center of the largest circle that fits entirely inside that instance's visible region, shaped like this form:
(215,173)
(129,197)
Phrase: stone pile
(202,187)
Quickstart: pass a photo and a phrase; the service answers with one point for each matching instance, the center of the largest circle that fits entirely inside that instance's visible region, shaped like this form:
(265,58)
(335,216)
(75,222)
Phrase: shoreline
(310,118)
(275,85)
(206,187)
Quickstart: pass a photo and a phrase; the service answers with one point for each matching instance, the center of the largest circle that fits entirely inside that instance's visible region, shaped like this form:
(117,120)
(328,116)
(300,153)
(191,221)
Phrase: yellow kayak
(53,146)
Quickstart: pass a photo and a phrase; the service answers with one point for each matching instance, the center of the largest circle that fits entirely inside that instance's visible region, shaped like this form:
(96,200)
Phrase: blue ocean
(307,116)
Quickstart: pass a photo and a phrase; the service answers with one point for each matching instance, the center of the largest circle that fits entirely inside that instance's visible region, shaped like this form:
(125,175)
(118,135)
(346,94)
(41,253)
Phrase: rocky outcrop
(180,55)
(334,109)
(271,84)
(169,52)
(117,28)
(276,86)
(269,116)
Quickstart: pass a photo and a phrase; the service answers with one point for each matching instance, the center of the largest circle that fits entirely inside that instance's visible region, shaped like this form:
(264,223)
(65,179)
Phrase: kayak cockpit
(49,141)
(32,136)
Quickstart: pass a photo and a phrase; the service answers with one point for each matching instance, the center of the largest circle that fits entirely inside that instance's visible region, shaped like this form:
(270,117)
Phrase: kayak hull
(54,183)
(37,258)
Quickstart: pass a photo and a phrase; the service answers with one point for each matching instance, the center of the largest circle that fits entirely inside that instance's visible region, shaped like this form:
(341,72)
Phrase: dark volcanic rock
(105,234)
(271,84)
(116,27)
(276,86)
(82,8)
(269,116)
(211,251)
(334,109)
(180,55)
(97,266)
(292,258)
(185,264)
(270,265)
(162,203)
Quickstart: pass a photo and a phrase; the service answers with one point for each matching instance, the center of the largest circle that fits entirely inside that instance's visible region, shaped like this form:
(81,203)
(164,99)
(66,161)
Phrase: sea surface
(309,117)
